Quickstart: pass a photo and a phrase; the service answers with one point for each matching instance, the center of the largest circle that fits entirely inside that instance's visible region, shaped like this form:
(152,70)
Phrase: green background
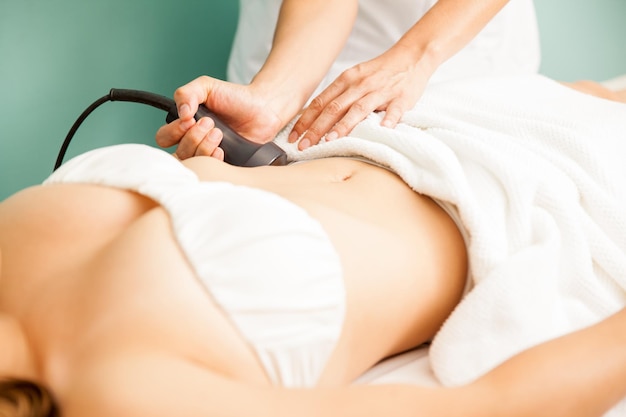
(58,56)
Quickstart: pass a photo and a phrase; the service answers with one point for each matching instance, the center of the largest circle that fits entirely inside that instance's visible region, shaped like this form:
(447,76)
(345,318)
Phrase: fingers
(394,112)
(339,116)
(356,113)
(391,82)
(321,114)
(201,139)
(172,133)
(189,96)
(346,102)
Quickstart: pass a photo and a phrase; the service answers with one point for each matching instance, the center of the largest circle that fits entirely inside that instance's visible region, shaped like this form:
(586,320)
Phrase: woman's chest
(141,293)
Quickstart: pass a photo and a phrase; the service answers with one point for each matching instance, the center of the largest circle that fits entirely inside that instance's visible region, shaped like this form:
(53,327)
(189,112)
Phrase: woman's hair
(19,398)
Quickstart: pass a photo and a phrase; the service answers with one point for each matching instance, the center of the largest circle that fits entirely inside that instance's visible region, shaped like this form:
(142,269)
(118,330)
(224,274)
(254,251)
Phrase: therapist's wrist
(425,57)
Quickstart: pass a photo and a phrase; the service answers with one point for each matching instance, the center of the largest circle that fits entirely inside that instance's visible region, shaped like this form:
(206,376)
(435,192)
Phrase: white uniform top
(508,44)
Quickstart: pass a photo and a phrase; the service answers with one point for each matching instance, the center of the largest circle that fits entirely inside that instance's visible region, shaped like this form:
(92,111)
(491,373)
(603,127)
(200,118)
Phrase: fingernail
(206,123)
(184,110)
(304,143)
(387,123)
(187,124)
(332,136)
(293,136)
(215,135)
(218,153)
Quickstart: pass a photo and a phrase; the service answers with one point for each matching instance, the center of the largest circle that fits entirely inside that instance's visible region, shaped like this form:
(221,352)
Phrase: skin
(392,82)
(102,327)
(111,303)
(596,89)
(204,139)
(98,303)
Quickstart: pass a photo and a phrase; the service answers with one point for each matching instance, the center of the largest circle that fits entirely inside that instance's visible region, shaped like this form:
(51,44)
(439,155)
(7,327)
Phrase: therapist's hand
(392,82)
(241,107)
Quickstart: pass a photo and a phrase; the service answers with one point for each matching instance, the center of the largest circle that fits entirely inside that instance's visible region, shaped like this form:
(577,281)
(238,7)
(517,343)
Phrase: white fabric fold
(537,172)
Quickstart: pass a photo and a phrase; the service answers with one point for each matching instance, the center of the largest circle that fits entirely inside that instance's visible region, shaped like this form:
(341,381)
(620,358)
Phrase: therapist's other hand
(392,82)
(241,107)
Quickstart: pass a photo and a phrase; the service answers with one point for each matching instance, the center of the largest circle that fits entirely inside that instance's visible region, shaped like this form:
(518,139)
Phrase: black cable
(119,94)
(238,150)
(77,123)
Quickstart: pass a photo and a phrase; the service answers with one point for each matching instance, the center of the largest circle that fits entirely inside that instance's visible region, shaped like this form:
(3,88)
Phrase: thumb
(189,96)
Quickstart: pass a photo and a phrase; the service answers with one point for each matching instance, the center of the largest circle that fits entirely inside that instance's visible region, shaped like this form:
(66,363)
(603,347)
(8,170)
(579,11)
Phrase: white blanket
(538,174)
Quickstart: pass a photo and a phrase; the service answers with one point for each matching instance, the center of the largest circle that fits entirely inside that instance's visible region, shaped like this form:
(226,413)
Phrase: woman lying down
(135,284)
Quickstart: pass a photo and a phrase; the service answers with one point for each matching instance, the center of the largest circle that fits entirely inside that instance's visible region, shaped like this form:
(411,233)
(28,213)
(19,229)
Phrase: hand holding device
(237,149)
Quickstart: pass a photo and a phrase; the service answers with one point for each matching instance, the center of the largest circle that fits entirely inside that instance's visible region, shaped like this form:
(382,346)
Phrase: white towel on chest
(538,174)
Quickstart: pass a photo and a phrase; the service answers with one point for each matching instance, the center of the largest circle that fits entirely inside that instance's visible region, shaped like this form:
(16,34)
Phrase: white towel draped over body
(537,172)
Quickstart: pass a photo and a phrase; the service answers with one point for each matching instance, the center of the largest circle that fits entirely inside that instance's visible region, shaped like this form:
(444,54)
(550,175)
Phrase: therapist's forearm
(309,35)
(447,27)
